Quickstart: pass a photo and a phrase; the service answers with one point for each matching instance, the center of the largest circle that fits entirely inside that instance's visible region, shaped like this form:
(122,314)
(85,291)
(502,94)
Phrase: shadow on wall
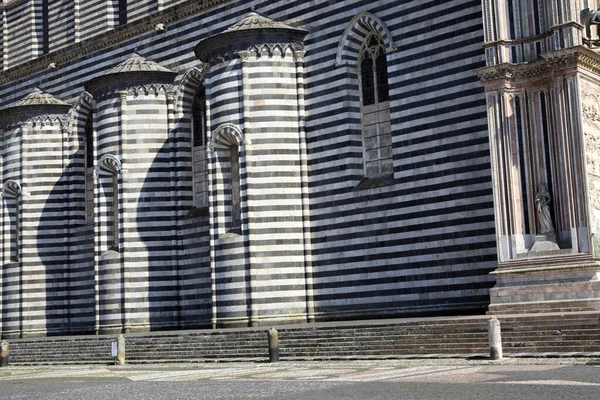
(66,262)
(175,238)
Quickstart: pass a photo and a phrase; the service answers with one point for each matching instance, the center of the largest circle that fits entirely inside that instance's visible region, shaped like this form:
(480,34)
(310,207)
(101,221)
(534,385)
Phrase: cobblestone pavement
(398,379)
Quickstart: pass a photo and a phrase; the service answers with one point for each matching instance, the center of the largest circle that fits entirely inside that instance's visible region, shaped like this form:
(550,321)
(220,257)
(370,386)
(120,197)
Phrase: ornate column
(542,156)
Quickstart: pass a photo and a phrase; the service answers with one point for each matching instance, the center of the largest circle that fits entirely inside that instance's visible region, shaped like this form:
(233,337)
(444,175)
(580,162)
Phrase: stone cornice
(513,71)
(574,57)
(550,63)
(108,39)
(60,120)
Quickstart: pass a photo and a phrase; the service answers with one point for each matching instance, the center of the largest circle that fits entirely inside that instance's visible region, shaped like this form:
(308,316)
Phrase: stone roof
(253,29)
(135,70)
(256,21)
(137,63)
(39,98)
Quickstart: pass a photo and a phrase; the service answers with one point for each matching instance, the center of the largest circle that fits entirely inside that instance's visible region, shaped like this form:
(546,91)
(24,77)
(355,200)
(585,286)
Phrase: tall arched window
(89,171)
(228,163)
(375,108)
(12,196)
(110,166)
(199,128)
(236,211)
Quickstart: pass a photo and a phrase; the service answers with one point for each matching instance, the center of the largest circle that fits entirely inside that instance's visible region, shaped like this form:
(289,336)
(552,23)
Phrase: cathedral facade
(171,164)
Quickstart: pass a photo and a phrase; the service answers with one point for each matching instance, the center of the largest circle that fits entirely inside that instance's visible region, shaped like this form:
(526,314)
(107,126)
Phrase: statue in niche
(544,220)
(590,17)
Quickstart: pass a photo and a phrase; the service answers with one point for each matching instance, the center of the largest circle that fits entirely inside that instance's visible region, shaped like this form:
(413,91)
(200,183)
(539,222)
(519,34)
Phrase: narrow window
(109,181)
(89,171)
(45,28)
(122,12)
(377,140)
(199,118)
(199,161)
(234,159)
(114,227)
(17,231)
(12,196)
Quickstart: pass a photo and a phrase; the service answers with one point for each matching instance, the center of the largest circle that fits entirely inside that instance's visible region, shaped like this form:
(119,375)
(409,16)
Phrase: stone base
(546,288)
(545,246)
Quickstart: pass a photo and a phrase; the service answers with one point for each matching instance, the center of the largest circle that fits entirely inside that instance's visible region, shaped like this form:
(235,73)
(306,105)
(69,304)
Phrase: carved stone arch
(109,163)
(189,82)
(78,115)
(227,161)
(12,189)
(356,32)
(225,136)
(191,128)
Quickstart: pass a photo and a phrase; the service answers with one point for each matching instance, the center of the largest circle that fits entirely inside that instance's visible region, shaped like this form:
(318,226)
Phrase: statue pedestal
(543,244)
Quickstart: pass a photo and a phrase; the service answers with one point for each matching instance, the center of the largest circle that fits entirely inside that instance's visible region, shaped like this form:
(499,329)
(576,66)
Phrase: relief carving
(590,104)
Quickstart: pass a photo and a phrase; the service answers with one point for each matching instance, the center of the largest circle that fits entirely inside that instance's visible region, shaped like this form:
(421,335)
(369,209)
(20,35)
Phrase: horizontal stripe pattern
(423,243)
(61,24)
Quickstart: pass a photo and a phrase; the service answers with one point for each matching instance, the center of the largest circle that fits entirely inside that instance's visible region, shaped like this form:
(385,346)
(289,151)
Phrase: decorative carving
(590,107)
(590,17)
(109,163)
(508,72)
(11,189)
(574,57)
(244,55)
(60,120)
(544,219)
(136,90)
(244,50)
(189,83)
(346,51)
(224,131)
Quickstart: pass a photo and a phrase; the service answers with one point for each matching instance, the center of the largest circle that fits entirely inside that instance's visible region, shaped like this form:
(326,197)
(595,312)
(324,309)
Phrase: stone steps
(522,335)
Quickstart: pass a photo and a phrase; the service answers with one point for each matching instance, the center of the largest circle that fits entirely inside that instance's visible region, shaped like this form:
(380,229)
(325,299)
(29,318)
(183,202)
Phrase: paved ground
(399,379)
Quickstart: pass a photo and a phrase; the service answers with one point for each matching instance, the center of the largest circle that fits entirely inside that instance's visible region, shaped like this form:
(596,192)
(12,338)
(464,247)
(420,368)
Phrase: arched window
(375,108)
(89,171)
(228,163)
(236,212)
(199,128)
(110,166)
(114,209)
(12,196)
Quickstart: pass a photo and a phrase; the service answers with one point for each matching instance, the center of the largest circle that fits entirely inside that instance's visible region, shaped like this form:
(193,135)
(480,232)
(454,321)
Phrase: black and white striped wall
(313,243)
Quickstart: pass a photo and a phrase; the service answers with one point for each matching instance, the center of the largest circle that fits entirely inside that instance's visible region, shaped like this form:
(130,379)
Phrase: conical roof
(251,30)
(39,98)
(35,103)
(135,69)
(137,63)
(256,21)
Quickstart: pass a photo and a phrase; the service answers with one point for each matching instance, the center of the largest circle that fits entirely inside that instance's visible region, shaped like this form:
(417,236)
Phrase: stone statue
(589,18)
(544,220)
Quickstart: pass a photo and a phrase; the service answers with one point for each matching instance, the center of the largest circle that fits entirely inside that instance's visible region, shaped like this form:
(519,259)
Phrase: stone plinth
(544,288)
